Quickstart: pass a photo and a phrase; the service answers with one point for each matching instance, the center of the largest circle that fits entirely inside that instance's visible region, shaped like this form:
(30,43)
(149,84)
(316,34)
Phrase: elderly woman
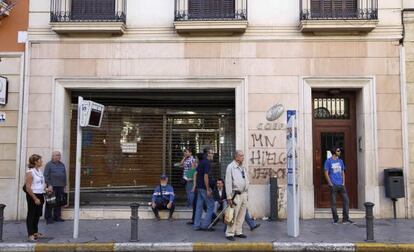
(35,188)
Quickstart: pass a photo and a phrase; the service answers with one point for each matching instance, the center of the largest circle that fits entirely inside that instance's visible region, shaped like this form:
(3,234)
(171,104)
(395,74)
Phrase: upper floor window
(210,10)
(339,9)
(88,10)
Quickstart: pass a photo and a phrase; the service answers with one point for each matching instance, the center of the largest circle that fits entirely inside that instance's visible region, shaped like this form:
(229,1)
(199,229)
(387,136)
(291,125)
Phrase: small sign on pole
(89,115)
(4,84)
(292,186)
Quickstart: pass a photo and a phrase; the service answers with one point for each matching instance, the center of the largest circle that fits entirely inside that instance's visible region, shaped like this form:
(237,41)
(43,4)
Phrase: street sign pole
(78,170)
(292,187)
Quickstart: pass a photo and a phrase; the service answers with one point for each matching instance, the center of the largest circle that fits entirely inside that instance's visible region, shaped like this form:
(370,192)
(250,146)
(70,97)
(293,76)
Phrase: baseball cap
(163,176)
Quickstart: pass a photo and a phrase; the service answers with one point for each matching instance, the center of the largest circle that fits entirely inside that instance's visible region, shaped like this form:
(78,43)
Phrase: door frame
(367,155)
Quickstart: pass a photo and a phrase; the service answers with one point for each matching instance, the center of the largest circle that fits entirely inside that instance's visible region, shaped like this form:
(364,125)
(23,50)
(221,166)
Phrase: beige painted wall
(10,67)
(273,71)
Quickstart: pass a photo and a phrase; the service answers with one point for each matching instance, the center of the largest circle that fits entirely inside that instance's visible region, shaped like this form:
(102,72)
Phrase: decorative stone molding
(330,27)
(88,27)
(221,27)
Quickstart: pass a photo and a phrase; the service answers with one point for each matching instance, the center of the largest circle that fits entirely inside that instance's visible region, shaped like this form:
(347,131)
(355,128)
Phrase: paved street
(150,231)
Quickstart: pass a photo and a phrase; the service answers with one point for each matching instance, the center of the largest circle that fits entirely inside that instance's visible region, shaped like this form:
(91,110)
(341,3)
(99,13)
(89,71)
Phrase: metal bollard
(134,222)
(274,194)
(2,206)
(369,217)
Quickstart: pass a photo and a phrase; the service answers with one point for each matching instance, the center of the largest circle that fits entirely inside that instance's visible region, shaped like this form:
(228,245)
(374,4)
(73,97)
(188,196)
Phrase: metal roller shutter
(143,135)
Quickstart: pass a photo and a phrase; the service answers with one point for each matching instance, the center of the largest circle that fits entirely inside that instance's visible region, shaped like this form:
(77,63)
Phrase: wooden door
(334,125)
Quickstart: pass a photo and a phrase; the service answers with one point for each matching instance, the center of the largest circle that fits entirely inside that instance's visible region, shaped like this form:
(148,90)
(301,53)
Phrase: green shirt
(190,174)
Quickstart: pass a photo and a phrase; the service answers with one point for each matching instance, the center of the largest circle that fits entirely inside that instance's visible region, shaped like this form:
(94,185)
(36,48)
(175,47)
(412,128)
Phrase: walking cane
(221,213)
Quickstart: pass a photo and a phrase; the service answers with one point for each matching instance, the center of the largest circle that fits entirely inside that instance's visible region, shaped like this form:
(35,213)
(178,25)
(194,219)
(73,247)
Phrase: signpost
(89,115)
(292,186)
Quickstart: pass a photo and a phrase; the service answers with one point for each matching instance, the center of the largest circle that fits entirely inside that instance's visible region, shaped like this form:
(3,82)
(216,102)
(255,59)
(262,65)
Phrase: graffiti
(258,139)
(265,158)
(264,173)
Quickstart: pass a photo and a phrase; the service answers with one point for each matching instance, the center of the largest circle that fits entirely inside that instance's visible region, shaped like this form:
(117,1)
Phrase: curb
(208,246)
(313,246)
(250,246)
(383,247)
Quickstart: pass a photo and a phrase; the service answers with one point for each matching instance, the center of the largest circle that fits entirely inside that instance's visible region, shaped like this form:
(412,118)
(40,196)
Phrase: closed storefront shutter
(144,136)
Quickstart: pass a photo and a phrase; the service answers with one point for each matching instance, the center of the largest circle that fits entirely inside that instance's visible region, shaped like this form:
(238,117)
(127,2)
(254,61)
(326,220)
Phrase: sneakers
(335,222)
(241,236)
(347,222)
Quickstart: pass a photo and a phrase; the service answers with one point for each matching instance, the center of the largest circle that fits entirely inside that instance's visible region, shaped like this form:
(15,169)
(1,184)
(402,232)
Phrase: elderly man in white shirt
(237,183)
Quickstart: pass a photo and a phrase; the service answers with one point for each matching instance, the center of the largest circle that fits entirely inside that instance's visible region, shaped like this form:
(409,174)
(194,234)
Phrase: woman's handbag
(50,199)
(63,201)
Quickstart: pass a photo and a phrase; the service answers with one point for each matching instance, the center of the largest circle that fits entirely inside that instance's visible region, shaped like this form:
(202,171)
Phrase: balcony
(338,16)
(210,16)
(88,16)
(5,8)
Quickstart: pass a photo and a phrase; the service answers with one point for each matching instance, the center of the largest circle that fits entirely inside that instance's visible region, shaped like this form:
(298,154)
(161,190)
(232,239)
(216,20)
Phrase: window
(211,9)
(331,108)
(334,8)
(93,9)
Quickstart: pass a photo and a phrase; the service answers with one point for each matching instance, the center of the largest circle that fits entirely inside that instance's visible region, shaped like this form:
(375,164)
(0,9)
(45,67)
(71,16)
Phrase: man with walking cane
(237,185)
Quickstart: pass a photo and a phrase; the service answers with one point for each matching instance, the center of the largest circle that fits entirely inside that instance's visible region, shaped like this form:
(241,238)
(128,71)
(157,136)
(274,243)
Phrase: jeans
(57,210)
(161,204)
(249,220)
(209,200)
(190,194)
(345,202)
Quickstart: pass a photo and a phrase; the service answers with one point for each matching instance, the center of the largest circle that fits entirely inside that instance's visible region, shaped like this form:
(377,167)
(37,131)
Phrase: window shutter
(333,8)
(229,8)
(93,9)
(205,9)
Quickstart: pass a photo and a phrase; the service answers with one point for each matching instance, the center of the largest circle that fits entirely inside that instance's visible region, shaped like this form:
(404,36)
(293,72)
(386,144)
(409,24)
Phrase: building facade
(191,73)
(13,21)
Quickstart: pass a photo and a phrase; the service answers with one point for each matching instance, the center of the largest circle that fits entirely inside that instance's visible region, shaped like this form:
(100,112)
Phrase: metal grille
(210,10)
(339,9)
(331,108)
(145,137)
(88,11)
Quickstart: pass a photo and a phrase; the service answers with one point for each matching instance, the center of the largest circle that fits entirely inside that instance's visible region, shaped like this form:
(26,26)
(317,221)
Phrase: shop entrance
(143,135)
(334,125)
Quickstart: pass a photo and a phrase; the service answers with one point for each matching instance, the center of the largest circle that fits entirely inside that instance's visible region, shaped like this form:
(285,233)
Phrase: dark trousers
(345,202)
(57,209)
(162,205)
(33,213)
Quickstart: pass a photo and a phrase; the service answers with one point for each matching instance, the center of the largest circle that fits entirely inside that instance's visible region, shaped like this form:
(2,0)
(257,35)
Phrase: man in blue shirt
(163,198)
(335,175)
(204,184)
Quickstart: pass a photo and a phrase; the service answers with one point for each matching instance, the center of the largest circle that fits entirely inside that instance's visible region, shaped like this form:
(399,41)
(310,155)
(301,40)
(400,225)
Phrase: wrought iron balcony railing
(88,11)
(186,10)
(338,9)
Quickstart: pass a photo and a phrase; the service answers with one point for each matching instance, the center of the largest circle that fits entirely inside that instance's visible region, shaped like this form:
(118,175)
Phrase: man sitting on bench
(163,198)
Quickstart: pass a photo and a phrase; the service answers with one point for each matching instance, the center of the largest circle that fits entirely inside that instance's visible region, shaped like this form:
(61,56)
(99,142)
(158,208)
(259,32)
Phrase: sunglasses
(243,174)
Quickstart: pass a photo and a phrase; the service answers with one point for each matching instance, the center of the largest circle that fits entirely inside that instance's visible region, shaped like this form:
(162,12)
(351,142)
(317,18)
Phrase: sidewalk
(114,235)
